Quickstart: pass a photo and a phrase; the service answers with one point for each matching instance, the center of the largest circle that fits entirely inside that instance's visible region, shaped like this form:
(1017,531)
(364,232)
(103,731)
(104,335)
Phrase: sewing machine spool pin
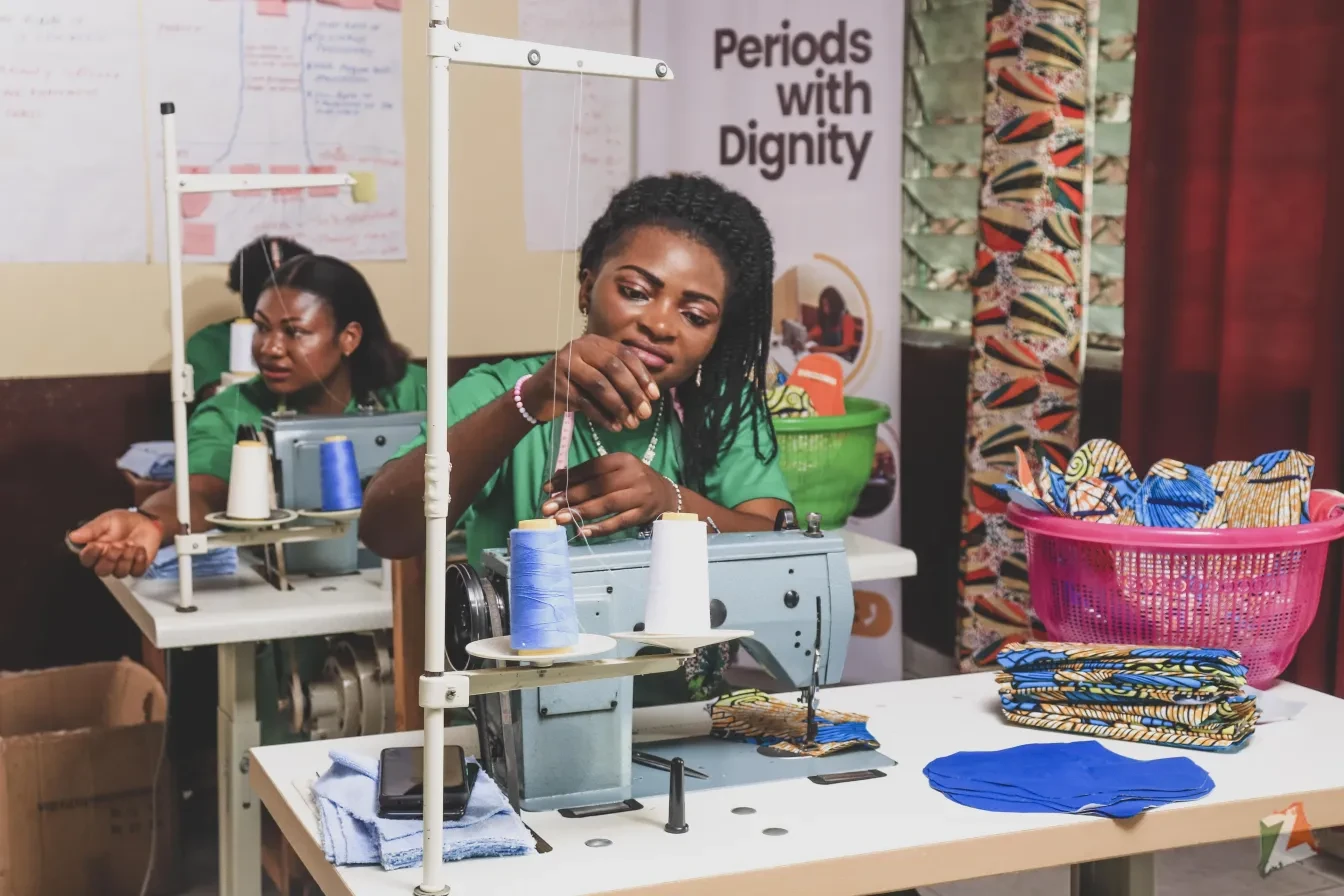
(676,799)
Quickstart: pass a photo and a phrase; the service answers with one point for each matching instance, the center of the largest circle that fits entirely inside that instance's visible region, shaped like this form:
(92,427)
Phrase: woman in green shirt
(249,274)
(322,348)
(667,385)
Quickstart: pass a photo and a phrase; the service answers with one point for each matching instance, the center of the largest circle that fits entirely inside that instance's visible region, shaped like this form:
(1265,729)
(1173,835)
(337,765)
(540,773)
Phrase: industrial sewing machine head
(296,449)
(569,746)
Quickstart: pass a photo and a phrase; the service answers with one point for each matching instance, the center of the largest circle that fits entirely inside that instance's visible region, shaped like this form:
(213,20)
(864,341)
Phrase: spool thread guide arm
(439,688)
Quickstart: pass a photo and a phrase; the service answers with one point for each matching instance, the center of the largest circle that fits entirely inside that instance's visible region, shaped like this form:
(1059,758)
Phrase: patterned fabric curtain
(1233,316)
(1029,287)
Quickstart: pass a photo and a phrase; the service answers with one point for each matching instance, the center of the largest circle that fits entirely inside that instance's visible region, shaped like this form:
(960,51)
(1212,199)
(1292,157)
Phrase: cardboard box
(78,749)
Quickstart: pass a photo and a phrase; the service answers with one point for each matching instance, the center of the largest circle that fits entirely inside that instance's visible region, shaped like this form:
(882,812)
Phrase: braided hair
(732,383)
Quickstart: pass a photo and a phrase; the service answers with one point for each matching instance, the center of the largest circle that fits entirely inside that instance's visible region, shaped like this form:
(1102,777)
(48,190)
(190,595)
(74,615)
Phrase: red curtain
(1234,320)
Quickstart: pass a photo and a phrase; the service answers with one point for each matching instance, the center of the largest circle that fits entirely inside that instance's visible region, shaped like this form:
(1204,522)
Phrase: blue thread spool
(340,475)
(542,617)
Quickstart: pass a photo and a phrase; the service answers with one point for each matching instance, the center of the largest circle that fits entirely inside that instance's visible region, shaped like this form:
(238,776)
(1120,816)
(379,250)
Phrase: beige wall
(79,319)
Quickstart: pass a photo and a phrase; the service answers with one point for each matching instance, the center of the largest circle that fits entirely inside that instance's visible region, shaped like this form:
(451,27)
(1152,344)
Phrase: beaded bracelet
(677,488)
(518,399)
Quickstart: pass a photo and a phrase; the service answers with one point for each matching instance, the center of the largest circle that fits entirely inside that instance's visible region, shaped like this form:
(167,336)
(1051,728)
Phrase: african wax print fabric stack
(1100,485)
(1191,697)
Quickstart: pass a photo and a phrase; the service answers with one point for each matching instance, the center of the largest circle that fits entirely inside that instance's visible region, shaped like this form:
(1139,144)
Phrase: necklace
(648,452)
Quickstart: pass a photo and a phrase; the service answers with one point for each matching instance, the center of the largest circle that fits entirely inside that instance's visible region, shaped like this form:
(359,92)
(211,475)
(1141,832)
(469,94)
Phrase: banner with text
(797,105)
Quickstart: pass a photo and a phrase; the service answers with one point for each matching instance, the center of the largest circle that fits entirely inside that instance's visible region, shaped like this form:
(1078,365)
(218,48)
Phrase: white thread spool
(249,482)
(678,599)
(241,363)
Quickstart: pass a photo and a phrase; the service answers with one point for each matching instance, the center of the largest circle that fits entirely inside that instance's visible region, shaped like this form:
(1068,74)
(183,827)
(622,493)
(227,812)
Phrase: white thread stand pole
(181,379)
(446,46)
(438,465)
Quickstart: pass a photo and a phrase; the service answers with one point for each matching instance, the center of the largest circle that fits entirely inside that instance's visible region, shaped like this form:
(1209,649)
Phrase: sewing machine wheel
(469,600)
(357,654)
(354,694)
(382,651)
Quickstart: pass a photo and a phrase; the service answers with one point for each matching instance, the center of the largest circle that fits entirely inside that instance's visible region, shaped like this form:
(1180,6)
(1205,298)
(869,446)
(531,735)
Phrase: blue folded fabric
(1081,777)
(353,834)
(149,460)
(214,562)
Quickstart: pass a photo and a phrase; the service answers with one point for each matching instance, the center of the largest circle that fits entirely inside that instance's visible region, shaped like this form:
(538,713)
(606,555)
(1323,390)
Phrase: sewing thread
(340,475)
(241,332)
(249,481)
(678,597)
(542,615)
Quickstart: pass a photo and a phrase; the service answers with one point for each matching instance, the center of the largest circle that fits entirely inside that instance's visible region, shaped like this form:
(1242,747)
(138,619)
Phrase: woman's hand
(118,543)
(619,486)
(600,377)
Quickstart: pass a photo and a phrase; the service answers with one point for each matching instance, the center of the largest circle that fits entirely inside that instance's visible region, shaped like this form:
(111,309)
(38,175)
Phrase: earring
(698,371)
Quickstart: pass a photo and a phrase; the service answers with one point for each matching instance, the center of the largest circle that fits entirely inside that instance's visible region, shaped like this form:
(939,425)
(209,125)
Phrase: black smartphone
(401,789)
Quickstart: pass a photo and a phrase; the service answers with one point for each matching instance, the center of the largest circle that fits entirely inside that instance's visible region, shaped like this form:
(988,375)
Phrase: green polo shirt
(514,492)
(208,353)
(213,428)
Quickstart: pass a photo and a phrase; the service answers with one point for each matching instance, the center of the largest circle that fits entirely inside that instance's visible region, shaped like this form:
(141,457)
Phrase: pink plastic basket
(1251,590)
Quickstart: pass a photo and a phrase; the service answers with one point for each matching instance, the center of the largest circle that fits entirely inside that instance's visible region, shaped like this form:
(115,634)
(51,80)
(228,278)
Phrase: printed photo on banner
(820,308)
(821,334)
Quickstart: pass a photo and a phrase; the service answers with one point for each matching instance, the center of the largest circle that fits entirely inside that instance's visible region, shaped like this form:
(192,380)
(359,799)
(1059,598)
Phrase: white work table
(871,560)
(246,608)
(857,838)
(235,612)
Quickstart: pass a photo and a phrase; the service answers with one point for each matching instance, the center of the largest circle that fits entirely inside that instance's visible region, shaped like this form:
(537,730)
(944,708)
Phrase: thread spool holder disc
(278,517)
(501,650)
(684,643)
(262,532)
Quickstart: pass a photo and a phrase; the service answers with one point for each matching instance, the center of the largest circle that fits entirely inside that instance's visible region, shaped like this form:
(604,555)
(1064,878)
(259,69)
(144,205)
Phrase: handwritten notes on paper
(577,144)
(292,86)
(67,72)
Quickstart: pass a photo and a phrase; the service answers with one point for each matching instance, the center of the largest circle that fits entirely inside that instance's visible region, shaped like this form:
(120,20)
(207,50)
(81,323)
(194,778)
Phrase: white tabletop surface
(245,607)
(871,560)
(853,838)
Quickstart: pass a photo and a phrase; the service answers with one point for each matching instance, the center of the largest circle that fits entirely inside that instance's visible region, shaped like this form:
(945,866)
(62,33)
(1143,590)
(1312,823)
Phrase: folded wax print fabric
(756,717)
(1099,485)
(1105,460)
(1078,777)
(789,401)
(1274,490)
(1175,696)
(1216,735)
(1087,671)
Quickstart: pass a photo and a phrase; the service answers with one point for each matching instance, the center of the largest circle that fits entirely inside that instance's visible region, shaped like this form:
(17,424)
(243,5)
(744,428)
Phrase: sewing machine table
(861,837)
(237,611)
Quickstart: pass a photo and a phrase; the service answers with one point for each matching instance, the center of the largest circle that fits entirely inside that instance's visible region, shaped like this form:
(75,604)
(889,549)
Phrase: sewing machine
(296,456)
(569,746)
